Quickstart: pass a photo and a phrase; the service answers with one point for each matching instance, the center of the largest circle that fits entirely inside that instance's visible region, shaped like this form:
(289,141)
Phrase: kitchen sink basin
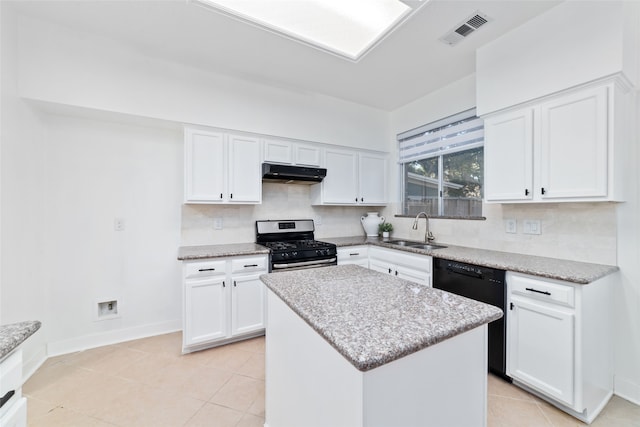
(417,245)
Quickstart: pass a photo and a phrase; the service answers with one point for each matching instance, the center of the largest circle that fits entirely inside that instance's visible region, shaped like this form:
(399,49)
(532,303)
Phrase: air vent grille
(465,28)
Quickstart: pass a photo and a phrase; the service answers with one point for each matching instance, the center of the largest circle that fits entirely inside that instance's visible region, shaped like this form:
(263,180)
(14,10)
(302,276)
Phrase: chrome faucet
(428,236)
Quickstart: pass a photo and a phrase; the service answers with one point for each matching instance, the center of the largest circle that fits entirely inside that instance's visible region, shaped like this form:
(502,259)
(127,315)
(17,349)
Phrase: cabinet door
(205,310)
(306,155)
(340,184)
(245,169)
(573,145)
(508,156)
(420,277)
(382,266)
(541,349)
(204,166)
(277,151)
(248,304)
(372,174)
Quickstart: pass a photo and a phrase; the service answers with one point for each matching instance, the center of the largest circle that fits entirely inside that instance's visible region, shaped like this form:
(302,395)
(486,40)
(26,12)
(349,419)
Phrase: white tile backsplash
(575,231)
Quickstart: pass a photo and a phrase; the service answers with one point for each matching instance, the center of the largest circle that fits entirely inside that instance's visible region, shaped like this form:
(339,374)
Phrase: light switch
(511,226)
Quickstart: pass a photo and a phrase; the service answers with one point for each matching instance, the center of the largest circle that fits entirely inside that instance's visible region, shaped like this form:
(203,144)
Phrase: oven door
(299,265)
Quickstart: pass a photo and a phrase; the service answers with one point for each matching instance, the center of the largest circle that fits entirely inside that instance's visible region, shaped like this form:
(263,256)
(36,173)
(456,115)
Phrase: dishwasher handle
(467,273)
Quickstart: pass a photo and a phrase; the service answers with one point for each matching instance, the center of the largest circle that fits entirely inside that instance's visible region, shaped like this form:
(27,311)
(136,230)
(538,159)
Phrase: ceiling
(410,63)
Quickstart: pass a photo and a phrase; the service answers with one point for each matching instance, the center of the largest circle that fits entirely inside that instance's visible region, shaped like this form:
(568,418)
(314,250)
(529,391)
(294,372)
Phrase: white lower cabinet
(13,412)
(559,344)
(224,300)
(358,255)
(415,268)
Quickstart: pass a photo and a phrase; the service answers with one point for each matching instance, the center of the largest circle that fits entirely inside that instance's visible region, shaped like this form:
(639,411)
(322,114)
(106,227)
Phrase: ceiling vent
(465,28)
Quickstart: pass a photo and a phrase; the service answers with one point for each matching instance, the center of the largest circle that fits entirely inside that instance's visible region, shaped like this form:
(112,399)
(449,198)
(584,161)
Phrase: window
(442,166)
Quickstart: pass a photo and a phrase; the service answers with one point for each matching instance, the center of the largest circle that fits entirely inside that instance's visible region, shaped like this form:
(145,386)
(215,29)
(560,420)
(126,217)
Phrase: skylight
(347,28)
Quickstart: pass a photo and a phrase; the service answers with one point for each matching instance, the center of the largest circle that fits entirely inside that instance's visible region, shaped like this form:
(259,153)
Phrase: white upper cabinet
(563,148)
(222,168)
(574,142)
(509,153)
(353,178)
(291,152)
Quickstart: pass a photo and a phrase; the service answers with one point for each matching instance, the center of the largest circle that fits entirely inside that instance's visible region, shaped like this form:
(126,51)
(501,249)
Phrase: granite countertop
(186,253)
(552,268)
(371,318)
(12,335)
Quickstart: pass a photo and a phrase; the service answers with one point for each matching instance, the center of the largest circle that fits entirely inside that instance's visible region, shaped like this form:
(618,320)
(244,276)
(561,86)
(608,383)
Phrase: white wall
(97,171)
(21,213)
(531,61)
(87,71)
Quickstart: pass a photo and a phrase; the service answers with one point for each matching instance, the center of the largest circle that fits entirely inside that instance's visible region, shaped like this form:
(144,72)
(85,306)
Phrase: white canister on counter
(370,223)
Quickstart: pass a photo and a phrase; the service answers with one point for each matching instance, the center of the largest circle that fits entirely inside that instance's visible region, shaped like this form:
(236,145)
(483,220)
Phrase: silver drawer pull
(537,291)
(250,265)
(207,269)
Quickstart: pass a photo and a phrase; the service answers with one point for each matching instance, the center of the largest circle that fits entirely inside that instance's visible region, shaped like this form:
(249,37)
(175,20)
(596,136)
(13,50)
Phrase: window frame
(464,116)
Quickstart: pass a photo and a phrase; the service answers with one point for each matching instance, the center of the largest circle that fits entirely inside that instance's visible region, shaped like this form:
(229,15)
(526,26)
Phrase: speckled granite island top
(552,268)
(11,336)
(371,318)
(215,251)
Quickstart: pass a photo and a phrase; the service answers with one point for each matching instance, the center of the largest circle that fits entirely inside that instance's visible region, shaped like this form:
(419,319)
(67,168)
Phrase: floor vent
(465,28)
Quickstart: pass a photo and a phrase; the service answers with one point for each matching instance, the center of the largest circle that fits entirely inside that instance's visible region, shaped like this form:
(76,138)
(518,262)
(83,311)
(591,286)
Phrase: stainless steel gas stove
(293,246)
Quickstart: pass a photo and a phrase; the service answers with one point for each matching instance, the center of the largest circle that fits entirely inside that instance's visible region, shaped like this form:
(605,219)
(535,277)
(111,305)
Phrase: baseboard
(627,390)
(111,337)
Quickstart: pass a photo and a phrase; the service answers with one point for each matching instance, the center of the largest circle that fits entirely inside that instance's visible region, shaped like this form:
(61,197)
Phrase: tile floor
(148,383)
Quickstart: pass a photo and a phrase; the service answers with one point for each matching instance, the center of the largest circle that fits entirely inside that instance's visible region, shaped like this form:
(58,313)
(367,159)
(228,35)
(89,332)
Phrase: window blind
(455,133)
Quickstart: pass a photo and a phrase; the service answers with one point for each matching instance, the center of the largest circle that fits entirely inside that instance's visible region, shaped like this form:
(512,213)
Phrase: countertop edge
(14,334)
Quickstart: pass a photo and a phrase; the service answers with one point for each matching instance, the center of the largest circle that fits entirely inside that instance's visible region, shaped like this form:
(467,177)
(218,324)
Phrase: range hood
(272,172)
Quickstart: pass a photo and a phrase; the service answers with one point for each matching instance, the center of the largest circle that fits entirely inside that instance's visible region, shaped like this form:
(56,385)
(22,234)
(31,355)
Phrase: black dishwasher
(481,284)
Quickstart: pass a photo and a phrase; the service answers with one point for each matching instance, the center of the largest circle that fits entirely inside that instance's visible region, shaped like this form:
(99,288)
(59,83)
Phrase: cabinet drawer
(205,268)
(542,290)
(11,373)
(248,265)
(353,253)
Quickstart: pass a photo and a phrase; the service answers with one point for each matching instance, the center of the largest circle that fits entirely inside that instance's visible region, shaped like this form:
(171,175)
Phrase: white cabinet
(413,267)
(222,167)
(558,149)
(558,341)
(224,300)
(358,255)
(291,152)
(353,178)
(14,411)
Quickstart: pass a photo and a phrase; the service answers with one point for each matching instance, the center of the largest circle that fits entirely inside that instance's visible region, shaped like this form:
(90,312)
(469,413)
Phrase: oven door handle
(305,263)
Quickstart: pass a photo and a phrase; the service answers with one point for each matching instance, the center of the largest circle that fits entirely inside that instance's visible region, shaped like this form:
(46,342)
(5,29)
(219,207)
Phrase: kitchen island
(347,346)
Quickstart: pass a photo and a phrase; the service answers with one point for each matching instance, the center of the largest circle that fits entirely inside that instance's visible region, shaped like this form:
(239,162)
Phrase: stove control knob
(294,254)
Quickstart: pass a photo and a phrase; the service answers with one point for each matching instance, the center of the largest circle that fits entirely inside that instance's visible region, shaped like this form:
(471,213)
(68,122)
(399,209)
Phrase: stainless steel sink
(426,246)
(417,245)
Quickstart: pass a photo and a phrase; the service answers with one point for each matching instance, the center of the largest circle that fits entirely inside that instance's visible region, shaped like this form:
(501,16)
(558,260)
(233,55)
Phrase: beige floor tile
(63,417)
(623,410)
(227,357)
(238,393)
(204,383)
(144,405)
(96,392)
(254,367)
(557,417)
(254,345)
(257,407)
(37,408)
(498,387)
(249,420)
(211,415)
(46,375)
(147,369)
(113,362)
(167,344)
(61,388)
(508,412)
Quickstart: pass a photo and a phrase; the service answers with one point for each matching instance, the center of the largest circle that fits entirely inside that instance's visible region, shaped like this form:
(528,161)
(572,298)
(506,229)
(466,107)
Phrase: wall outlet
(318,220)
(531,226)
(511,226)
(217,223)
(118,224)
